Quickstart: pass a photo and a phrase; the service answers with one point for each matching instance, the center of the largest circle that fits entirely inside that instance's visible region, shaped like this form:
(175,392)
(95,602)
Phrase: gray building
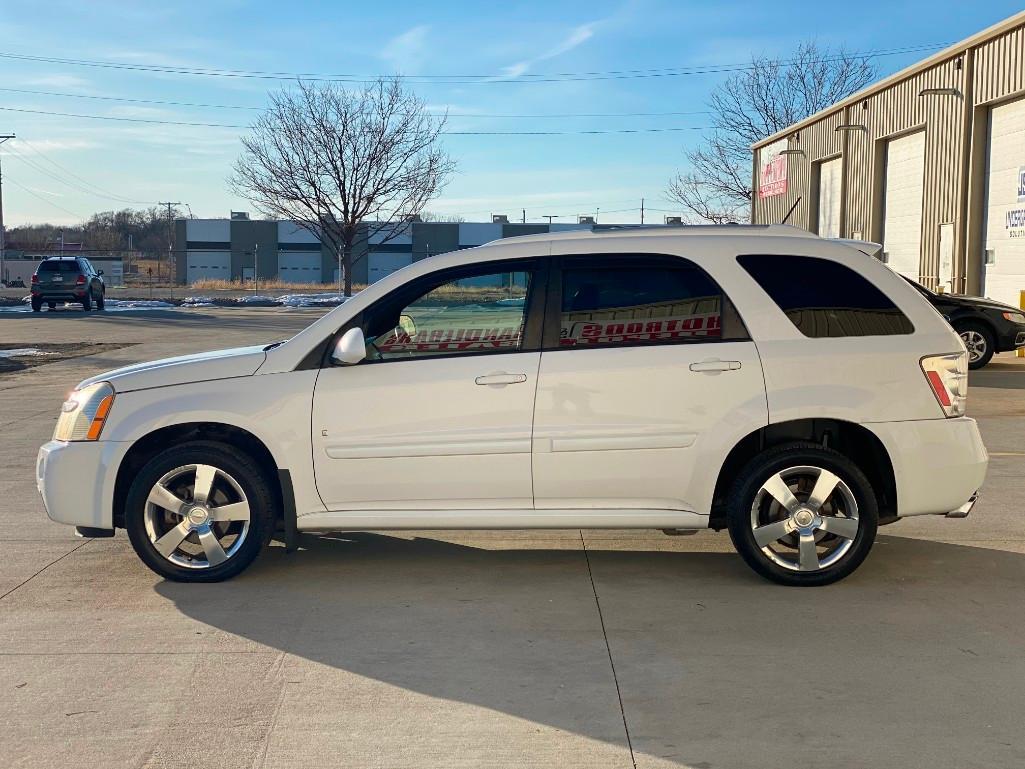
(930,162)
(238,248)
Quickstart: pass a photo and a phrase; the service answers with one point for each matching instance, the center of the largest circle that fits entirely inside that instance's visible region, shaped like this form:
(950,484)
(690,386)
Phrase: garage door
(202,265)
(299,266)
(902,204)
(830,176)
(1004,272)
(385,263)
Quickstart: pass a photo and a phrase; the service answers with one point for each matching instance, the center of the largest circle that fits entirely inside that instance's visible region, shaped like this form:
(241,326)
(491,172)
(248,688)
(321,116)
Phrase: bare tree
(764,98)
(331,159)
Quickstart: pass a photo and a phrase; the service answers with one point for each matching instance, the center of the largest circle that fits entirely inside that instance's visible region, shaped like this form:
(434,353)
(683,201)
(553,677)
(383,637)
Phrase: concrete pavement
(497,649)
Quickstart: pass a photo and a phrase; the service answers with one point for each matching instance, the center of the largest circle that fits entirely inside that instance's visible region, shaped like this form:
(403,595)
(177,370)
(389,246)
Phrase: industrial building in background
(930,162)
(238,248)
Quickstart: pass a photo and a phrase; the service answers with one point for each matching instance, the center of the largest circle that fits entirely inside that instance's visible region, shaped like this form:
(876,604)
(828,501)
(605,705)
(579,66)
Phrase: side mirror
(99,272)
(407,324)
(351,348)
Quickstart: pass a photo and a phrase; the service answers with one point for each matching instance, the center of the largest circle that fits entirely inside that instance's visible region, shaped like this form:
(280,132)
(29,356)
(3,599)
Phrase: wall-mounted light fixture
(939,92)
(849,127)
(792,152)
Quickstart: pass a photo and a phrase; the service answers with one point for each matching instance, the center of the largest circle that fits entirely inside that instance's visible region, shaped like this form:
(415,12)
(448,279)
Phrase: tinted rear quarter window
(823,298)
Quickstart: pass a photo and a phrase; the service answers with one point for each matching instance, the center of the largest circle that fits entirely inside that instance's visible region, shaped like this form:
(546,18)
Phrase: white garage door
(830,177)
(299,266)
(385,263)
(202,265)
(1004,278)
(902,204)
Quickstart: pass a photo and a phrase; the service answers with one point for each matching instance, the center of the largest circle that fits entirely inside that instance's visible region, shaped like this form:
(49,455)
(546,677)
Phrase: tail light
(80,280)
(35,278)
(948,377)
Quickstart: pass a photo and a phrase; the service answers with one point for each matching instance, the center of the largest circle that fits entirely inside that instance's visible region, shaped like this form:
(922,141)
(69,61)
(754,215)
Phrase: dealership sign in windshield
(772,179)
(1015,221)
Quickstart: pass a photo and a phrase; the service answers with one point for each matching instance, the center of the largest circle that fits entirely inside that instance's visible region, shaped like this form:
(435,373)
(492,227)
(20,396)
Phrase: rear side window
(824,298)
(642,304)
(59,265)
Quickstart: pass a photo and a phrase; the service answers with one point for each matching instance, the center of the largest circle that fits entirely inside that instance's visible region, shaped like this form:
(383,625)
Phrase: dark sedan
(985,326)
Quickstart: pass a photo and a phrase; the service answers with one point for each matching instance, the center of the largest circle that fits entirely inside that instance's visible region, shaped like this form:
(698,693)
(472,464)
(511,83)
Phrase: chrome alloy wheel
(976,344)
(197,516)
(804,518)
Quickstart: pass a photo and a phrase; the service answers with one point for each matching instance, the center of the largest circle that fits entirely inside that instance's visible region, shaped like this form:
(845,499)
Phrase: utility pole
(642,210)
(3,138)
(256,269)
(524,220)
(170,241)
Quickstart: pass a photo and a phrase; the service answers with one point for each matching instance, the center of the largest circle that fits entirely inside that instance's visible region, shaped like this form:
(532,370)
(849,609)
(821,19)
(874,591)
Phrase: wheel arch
(856,442)
(152,443)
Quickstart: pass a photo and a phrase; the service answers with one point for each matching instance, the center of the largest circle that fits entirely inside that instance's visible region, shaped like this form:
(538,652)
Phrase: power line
(485,115)
(85,188)
(155,121)
(458,79)
(45,200)
(91,188)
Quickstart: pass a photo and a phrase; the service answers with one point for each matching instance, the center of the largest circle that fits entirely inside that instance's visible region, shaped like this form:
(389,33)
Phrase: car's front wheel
(801,514)
(979,342)
(199,512)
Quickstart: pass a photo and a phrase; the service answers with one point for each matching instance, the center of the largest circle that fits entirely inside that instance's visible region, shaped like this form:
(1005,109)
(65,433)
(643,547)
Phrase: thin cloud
(408,51)
(576,37)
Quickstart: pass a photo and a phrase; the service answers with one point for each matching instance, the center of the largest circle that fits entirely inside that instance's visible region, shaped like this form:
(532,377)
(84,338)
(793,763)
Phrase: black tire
(100,300)
(979,341)
(52,305)
(87,301)
(742,512)
(37,304)
(226,459)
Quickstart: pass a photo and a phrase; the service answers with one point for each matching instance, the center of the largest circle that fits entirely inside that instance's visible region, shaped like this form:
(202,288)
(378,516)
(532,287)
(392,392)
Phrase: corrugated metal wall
(944,101)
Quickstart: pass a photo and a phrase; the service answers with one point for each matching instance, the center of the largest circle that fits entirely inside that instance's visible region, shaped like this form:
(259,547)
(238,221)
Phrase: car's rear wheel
(87,301)
(801,514)
(37,304)
(100,300)
(979,342)
(200,512)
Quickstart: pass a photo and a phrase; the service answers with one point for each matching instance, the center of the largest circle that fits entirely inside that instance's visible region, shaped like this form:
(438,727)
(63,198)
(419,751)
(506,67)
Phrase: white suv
(791,389)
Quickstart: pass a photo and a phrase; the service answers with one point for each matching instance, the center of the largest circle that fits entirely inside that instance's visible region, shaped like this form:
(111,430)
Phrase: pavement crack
(51,563)
(608,649)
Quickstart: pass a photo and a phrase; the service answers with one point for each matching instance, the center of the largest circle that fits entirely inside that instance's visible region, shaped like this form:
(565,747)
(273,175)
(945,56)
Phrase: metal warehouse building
(930,162)
(236,248)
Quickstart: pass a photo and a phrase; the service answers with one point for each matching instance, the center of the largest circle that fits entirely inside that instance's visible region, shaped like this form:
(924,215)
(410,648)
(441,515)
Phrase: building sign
(772,178)
(1015,221)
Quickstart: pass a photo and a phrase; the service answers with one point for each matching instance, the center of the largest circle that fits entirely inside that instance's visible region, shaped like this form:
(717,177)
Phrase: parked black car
(985,326)
(67,279)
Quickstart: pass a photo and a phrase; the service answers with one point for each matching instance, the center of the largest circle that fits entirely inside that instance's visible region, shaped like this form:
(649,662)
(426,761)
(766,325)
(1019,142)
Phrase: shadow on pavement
(917,659)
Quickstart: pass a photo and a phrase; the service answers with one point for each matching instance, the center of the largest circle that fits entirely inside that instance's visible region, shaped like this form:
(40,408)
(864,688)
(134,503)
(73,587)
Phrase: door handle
(500,378)
(715,366)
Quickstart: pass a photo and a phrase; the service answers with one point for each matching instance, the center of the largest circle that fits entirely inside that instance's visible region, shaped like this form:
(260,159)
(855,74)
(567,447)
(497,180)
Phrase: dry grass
(214,284)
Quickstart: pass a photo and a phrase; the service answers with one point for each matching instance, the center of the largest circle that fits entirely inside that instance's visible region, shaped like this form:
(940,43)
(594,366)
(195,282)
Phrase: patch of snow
(311,300)
(137,304)
(24,352)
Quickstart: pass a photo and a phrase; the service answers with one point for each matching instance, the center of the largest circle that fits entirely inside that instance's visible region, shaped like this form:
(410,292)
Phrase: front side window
(639,304)
(476,313)
(823,298)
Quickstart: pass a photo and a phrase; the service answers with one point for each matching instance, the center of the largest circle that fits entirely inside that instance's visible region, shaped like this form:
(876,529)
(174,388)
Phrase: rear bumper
(939,464)
(76,481)
(63,295)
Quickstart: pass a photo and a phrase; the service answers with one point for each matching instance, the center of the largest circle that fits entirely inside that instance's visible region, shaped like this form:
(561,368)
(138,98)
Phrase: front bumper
(965,509)
(1010,337)
(76,481)
(939,464)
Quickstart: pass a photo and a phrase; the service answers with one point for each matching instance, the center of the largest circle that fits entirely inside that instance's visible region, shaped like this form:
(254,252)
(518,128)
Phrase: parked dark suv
(67,279)
(985,326)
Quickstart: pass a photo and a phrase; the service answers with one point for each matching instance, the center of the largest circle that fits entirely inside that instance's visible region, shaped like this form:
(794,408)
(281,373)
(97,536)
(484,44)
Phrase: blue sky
(69,167)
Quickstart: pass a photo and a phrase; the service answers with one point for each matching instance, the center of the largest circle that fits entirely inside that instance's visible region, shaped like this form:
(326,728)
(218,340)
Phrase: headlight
(84,412)
(1014,317)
